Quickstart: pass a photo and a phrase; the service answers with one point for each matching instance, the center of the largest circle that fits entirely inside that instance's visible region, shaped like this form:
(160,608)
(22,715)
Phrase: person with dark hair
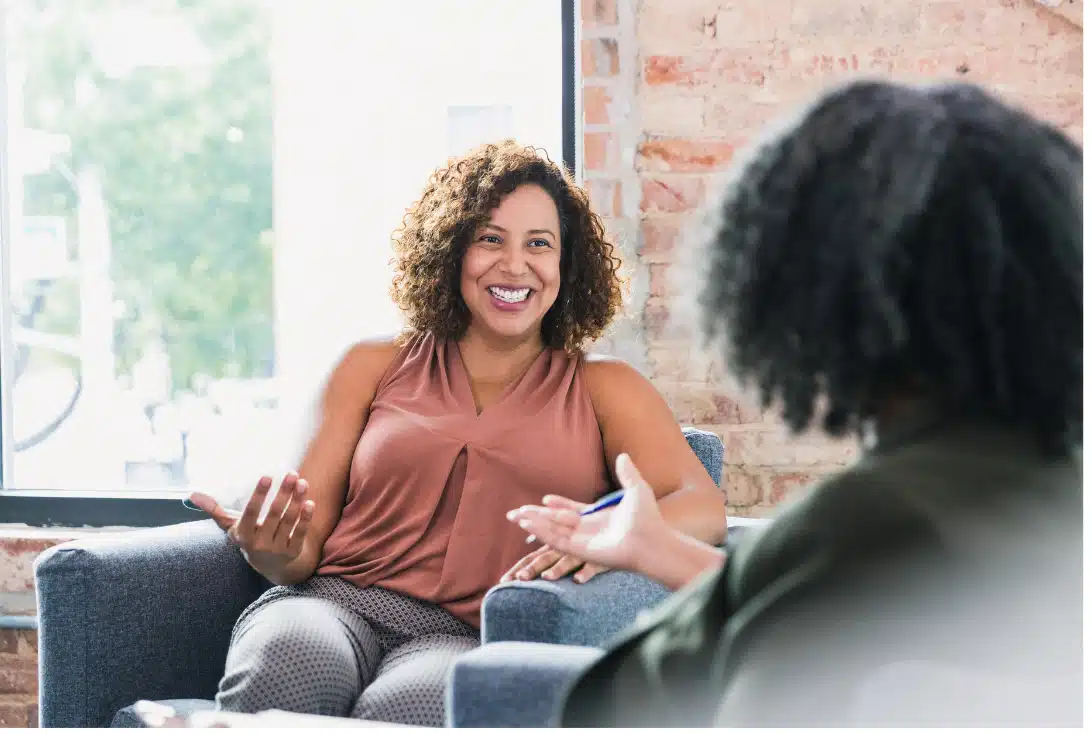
(903,264)
(385,543)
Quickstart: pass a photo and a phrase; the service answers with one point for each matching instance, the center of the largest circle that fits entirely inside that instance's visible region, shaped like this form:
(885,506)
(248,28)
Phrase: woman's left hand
(551,565)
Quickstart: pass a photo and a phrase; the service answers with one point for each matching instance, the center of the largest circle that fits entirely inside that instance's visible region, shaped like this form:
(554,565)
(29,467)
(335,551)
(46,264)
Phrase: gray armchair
(148,614)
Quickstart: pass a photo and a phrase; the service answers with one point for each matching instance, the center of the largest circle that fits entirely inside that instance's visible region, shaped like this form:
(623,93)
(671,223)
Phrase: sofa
(148,614)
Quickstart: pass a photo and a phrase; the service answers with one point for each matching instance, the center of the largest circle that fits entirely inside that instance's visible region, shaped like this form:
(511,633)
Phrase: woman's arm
(338,419)
(678,560)
(634,419)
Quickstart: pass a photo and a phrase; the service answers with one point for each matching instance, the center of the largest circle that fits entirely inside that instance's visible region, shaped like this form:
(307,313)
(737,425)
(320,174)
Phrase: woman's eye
(539,243)
(492,239)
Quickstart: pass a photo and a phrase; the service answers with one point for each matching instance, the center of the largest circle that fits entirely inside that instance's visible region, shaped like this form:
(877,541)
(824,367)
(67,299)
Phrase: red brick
(19,676)
(23,642)
(775,447)
(705,405)
(599,12)
(953,18)
(780,485)
(599,57)
(684,156)
(679,362)
(605,196)
(742,488)
(668,25)
(596,105)
(658,234)
(707,67)
(17,556)
(26,546)
(9,641)
(659,279)
(1056,20)
(600,151)
(695,404)
(671,195)
(657,320)
(15,712)
(740,117)
(974,63)
(664,111)
(670,281)
(1060,56)
(1064,110)
(745,22)
(851,20)
(759,510)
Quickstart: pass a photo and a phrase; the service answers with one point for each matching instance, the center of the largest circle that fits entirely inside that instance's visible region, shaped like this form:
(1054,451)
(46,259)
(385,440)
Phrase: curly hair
(896,236)
(457,200)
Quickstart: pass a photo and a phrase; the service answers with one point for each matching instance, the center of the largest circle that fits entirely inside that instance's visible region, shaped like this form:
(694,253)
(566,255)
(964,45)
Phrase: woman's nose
(513,260)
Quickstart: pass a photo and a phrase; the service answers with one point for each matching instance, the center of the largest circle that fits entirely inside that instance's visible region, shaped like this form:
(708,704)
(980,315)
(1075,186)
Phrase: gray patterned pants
(328,647)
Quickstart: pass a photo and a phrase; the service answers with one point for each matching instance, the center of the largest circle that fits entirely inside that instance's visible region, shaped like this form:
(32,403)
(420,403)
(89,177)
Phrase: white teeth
(513,296)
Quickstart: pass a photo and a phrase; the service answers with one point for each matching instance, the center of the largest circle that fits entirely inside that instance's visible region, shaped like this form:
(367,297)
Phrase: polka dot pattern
(329,647)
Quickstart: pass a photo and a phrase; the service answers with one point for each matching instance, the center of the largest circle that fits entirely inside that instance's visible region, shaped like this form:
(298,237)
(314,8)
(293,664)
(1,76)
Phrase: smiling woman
(521,223)
(511,272)
(385,543)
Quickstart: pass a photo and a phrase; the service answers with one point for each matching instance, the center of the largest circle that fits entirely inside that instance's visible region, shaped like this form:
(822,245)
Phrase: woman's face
(511,271)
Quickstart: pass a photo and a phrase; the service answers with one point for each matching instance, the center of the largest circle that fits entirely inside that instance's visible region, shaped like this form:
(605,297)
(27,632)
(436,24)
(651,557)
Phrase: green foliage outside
(185,156)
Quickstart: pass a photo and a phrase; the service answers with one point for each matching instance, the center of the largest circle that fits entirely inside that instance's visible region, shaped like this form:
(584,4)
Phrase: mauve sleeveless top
(431,479)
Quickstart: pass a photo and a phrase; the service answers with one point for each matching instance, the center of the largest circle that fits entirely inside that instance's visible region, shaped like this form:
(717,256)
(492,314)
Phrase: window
(197,201)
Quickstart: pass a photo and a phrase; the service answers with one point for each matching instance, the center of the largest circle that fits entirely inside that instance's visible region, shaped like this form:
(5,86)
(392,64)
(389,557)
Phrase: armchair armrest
(513,685)
(140,614)
(567,613)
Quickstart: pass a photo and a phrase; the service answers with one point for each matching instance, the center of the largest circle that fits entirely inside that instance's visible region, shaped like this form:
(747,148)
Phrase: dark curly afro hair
(458,199)
(902,237)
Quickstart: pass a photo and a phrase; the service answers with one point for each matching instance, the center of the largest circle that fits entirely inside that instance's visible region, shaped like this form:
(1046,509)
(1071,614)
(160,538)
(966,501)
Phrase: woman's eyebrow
(497,227)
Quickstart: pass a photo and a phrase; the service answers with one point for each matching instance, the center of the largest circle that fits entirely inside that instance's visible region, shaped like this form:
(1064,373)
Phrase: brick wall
(673,87)
(670,90)
(18,678)
(19,648)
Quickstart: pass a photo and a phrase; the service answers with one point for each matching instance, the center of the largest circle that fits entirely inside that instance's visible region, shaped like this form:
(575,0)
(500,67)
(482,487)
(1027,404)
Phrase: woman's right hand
(271,545)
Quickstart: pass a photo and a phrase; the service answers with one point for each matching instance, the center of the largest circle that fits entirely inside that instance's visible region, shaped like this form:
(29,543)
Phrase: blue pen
(603,503)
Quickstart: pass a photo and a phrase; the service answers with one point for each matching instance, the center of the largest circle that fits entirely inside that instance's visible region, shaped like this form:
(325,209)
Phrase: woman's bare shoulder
(604,371)
(362,366)
(611,380)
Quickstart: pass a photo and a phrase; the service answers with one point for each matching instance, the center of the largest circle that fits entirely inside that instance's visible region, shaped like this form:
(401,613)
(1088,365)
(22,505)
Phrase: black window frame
(155,508)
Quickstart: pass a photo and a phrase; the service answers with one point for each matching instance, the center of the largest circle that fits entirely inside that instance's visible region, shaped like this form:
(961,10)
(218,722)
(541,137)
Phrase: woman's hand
(620,537)
(551,565)
(271,545)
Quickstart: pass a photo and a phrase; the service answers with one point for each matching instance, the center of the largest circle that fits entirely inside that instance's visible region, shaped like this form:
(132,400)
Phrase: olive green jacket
(950,548)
